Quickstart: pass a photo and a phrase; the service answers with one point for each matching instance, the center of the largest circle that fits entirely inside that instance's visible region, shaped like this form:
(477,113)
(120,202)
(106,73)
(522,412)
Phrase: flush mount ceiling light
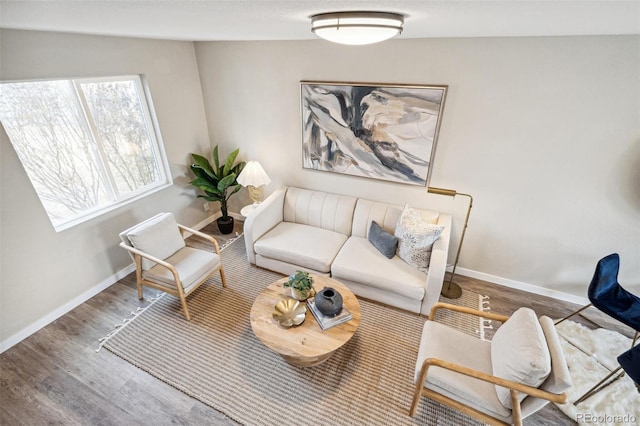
(357,28)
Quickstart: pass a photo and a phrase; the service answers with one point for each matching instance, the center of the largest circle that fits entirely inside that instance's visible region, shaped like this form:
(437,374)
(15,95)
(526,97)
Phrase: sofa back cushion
(320,209)
(386,215)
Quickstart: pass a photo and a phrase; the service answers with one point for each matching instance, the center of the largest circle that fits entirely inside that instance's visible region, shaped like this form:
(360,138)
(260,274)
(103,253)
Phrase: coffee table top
(306,341)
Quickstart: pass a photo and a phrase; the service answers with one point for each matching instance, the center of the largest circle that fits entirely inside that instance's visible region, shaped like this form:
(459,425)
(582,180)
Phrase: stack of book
(326,322)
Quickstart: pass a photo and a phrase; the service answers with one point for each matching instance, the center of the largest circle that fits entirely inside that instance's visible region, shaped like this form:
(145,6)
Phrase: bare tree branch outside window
(84,144)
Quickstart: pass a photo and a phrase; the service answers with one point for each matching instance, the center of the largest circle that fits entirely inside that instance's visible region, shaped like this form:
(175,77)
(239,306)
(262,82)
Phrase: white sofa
(326,234)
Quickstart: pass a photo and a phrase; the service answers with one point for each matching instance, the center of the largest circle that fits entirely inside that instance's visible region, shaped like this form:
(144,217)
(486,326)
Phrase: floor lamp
(453,290)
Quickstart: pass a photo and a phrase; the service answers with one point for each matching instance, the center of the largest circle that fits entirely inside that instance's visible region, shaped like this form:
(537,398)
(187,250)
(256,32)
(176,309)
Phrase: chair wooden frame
(179,290)
(514,387)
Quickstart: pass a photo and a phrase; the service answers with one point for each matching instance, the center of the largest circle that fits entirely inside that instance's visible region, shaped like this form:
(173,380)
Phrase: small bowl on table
(289,312)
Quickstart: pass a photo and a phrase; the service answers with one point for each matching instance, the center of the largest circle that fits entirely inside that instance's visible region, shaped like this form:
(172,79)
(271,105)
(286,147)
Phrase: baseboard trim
(200,225)
(79,300)
(519,285)
(67,307)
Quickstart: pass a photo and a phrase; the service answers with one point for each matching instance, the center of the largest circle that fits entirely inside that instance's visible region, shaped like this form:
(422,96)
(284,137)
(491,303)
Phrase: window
(87,145)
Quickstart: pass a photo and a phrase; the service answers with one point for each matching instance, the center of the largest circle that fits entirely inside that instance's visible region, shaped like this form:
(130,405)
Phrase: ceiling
(289,19)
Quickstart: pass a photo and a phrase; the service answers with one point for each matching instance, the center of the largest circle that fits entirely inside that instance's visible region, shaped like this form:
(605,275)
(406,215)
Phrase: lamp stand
(453,290)
(255,193)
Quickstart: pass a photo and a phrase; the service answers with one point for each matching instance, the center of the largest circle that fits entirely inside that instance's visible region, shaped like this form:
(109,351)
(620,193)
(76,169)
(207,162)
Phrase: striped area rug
(216,359)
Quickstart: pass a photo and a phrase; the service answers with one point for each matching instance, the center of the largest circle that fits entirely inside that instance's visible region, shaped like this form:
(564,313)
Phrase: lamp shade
(357,28)
(253,175)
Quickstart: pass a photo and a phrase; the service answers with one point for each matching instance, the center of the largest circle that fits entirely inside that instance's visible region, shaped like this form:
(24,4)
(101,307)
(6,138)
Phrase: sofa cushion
(158,236)
(415,238)
(361,262)
(519,353)
(320,209)
(386,215)
(386,243)
(304,245)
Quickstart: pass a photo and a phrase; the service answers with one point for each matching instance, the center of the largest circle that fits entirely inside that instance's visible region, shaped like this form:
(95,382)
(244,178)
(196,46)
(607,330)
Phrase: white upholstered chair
(164,262)
(498,382)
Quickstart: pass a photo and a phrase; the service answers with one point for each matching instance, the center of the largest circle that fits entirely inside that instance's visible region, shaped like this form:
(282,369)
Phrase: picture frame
(373,130)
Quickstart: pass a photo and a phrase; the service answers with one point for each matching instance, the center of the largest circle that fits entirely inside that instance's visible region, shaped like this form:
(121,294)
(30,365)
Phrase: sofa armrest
(437,266)
(267,215)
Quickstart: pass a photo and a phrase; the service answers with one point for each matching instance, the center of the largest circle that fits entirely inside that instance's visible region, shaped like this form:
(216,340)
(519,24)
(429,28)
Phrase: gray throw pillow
(386,243)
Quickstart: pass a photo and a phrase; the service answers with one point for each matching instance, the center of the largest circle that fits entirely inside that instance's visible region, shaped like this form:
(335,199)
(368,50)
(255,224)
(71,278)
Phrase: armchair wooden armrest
(201,235)
(513,387)
(139,254)
(465,310)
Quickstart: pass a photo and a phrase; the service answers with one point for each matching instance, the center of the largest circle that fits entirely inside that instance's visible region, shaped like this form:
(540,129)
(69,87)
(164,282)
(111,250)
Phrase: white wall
(43,272)
(543,132)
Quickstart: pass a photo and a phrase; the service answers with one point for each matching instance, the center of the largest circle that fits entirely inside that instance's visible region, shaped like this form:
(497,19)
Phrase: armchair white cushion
(519,353)
(164,262)
(461,371)
(158,236)
(193,266)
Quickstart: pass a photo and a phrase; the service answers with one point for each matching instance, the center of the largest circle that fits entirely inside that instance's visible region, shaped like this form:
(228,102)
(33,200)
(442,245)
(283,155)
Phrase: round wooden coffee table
(307,344)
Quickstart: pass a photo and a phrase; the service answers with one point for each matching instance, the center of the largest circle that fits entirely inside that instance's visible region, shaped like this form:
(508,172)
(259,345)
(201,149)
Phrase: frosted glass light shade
(253,175)
(357,28)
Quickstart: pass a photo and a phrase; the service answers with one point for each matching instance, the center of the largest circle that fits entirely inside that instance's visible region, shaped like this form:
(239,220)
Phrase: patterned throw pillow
(415,238)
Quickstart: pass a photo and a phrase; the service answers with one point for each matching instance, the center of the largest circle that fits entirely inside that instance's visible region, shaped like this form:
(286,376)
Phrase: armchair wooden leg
(516,412)
(224,280)
(185,309)
(138,260)
(416,399)
(418,391)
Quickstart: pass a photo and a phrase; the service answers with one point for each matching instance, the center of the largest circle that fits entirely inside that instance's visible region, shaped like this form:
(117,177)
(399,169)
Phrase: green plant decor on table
(301,284)
(218,182)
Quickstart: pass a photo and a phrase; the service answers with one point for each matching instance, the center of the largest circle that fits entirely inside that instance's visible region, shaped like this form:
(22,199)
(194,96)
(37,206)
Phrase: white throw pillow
(158,237)
(415,238)
(519,353)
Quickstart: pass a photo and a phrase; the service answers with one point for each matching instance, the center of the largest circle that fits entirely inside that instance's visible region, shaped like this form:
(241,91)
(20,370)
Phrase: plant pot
(300,294)
(225,225)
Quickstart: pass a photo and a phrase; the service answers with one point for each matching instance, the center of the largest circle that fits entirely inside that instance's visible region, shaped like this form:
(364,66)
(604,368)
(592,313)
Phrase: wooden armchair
(499,382)
(164,262)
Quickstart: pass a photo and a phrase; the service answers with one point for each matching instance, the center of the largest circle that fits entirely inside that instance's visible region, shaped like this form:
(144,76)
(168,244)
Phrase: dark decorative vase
(328,302)
(225,225)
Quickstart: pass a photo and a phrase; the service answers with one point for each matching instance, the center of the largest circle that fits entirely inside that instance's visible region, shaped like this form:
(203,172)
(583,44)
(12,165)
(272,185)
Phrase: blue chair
(606,294)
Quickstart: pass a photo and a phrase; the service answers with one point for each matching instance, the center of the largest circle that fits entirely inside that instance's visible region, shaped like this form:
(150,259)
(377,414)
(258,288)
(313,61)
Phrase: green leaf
(215,158)
(236,189)
(226,182)
(203,163)
(201,173)
(230,159)
(205,185)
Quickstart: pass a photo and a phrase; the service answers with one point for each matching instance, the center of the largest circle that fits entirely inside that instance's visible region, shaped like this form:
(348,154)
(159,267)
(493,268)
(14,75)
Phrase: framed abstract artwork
(379,131)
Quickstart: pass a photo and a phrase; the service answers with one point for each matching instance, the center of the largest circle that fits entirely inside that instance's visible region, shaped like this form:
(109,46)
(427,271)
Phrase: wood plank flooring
(56,377)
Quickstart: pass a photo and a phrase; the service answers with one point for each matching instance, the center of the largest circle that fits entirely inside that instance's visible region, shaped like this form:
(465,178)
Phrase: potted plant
(301,284)
(218,183)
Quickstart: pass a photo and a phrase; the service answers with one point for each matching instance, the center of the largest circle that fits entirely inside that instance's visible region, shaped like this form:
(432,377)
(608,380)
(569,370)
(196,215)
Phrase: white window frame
(118,200)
